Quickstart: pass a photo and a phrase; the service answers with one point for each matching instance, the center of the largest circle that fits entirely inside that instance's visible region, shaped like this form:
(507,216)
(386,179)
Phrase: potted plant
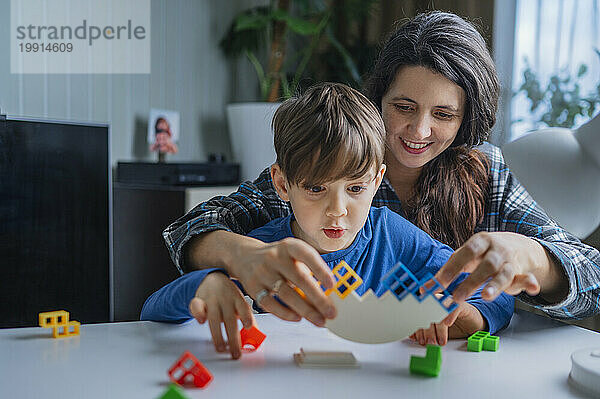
(562,102)
(272,29)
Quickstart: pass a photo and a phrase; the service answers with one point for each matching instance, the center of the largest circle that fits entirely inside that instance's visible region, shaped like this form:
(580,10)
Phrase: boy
(330,145)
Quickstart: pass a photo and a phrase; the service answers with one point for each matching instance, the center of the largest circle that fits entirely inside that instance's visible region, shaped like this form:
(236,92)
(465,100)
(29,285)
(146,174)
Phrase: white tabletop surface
(130,360)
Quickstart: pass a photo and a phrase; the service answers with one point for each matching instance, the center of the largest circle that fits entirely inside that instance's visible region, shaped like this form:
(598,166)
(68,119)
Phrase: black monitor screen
(54,221)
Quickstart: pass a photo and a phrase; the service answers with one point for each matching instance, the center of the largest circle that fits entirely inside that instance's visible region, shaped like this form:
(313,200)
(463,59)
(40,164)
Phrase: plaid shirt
(509,208)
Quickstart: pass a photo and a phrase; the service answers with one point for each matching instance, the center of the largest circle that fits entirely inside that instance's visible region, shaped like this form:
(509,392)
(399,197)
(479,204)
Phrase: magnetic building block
(474,344)
(482,340)
(429,365)
(173,392)
(490,343)
(59,321)
(300,292)
(251,338)
(401,282)
(55,318)
(347,280)
(189,370)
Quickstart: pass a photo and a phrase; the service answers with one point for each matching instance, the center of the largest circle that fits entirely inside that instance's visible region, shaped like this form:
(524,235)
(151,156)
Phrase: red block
(251,338)
(189,370)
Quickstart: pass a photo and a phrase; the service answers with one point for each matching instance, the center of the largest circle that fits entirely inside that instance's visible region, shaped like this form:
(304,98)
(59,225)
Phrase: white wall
(189,74)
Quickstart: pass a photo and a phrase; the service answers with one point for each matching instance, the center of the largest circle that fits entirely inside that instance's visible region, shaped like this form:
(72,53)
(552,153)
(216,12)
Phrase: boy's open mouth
(334,233)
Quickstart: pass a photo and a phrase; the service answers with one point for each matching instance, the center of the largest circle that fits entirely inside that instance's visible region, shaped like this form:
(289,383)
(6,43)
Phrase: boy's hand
(219,300)
(463,322)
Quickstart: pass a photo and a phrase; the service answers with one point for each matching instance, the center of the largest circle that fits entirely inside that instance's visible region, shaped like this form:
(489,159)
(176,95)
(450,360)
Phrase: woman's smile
(413,147)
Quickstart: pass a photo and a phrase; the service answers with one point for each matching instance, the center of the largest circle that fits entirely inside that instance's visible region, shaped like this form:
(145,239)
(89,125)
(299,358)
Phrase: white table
(130,360)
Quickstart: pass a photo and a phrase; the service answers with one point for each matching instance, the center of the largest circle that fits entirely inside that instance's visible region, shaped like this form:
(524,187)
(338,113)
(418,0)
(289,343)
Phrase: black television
(55,221)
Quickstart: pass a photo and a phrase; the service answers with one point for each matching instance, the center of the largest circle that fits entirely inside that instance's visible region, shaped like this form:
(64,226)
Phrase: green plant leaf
(285,87)
(236,41)
(306,21)
(348,61)
(300,26)
(260,73)
(562,101)
(251,22)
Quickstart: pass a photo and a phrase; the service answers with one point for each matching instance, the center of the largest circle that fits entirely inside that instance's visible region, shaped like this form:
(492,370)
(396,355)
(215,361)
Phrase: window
(552,38)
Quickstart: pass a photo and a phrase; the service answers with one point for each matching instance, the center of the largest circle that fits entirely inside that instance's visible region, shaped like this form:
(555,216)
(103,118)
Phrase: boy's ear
(279,182)
(379,177)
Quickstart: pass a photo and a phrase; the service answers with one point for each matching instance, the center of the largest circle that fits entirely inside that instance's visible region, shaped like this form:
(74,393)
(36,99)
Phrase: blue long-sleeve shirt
(385,239)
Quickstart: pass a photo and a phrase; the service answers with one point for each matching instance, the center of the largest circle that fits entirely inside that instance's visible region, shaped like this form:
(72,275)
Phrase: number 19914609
(46,47)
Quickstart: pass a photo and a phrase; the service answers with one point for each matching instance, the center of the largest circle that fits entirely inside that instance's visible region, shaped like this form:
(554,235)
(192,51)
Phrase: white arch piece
(372,320)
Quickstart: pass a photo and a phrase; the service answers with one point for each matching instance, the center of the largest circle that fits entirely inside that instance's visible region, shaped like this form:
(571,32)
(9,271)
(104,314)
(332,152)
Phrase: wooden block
(325,359)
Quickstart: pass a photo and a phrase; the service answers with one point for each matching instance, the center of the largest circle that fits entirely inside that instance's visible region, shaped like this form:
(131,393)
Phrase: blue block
(401,281)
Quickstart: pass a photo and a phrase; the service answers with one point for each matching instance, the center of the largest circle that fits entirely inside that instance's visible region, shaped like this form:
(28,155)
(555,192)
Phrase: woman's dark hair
(450,194)
(159,120)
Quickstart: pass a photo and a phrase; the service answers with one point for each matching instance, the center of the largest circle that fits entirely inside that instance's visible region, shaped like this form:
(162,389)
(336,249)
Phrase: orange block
(300,292)
(189,370)
(251,338)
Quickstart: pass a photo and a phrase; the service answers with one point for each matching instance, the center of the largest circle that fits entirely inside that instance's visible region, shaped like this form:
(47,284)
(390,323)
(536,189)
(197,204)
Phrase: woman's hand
(279,267)
(462,322)
(512,262)
(219,300)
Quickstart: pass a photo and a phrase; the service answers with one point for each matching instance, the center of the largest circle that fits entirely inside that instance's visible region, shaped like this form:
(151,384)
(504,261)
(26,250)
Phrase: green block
(474,345)
(480,334)
(434,353)
(490,343)
(173,392)
(475,341)
(429,365)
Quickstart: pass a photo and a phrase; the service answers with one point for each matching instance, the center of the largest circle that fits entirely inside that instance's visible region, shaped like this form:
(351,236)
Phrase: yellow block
(65,331)
(343,280)
(53,319)
(59,321)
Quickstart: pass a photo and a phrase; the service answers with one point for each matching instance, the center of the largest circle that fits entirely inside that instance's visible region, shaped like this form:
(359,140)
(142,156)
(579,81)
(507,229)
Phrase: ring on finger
(261,295)
(277,286)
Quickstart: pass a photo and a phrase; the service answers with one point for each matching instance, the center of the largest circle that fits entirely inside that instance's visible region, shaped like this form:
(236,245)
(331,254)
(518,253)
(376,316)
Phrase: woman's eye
(444,115)
(402,107)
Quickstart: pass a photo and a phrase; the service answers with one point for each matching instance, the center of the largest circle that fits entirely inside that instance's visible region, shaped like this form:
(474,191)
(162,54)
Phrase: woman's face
(422,112)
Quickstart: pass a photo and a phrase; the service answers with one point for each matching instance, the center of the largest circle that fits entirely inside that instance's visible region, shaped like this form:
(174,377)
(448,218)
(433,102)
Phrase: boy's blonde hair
(328,133)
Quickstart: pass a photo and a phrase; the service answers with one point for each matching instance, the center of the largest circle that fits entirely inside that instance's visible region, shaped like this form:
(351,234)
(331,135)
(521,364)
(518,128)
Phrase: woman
(436,86)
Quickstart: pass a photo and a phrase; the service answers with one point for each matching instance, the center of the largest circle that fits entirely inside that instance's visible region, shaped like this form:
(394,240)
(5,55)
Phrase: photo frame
(163,130)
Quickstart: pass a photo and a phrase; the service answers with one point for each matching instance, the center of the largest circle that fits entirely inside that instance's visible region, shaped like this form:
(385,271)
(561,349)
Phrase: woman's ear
(279,182)
(379,176)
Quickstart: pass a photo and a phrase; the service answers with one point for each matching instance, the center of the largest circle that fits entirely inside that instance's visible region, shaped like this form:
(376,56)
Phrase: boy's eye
(356,189)
(314,189)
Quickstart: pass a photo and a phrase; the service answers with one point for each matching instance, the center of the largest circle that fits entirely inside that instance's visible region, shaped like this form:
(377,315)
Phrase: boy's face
(329,216)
